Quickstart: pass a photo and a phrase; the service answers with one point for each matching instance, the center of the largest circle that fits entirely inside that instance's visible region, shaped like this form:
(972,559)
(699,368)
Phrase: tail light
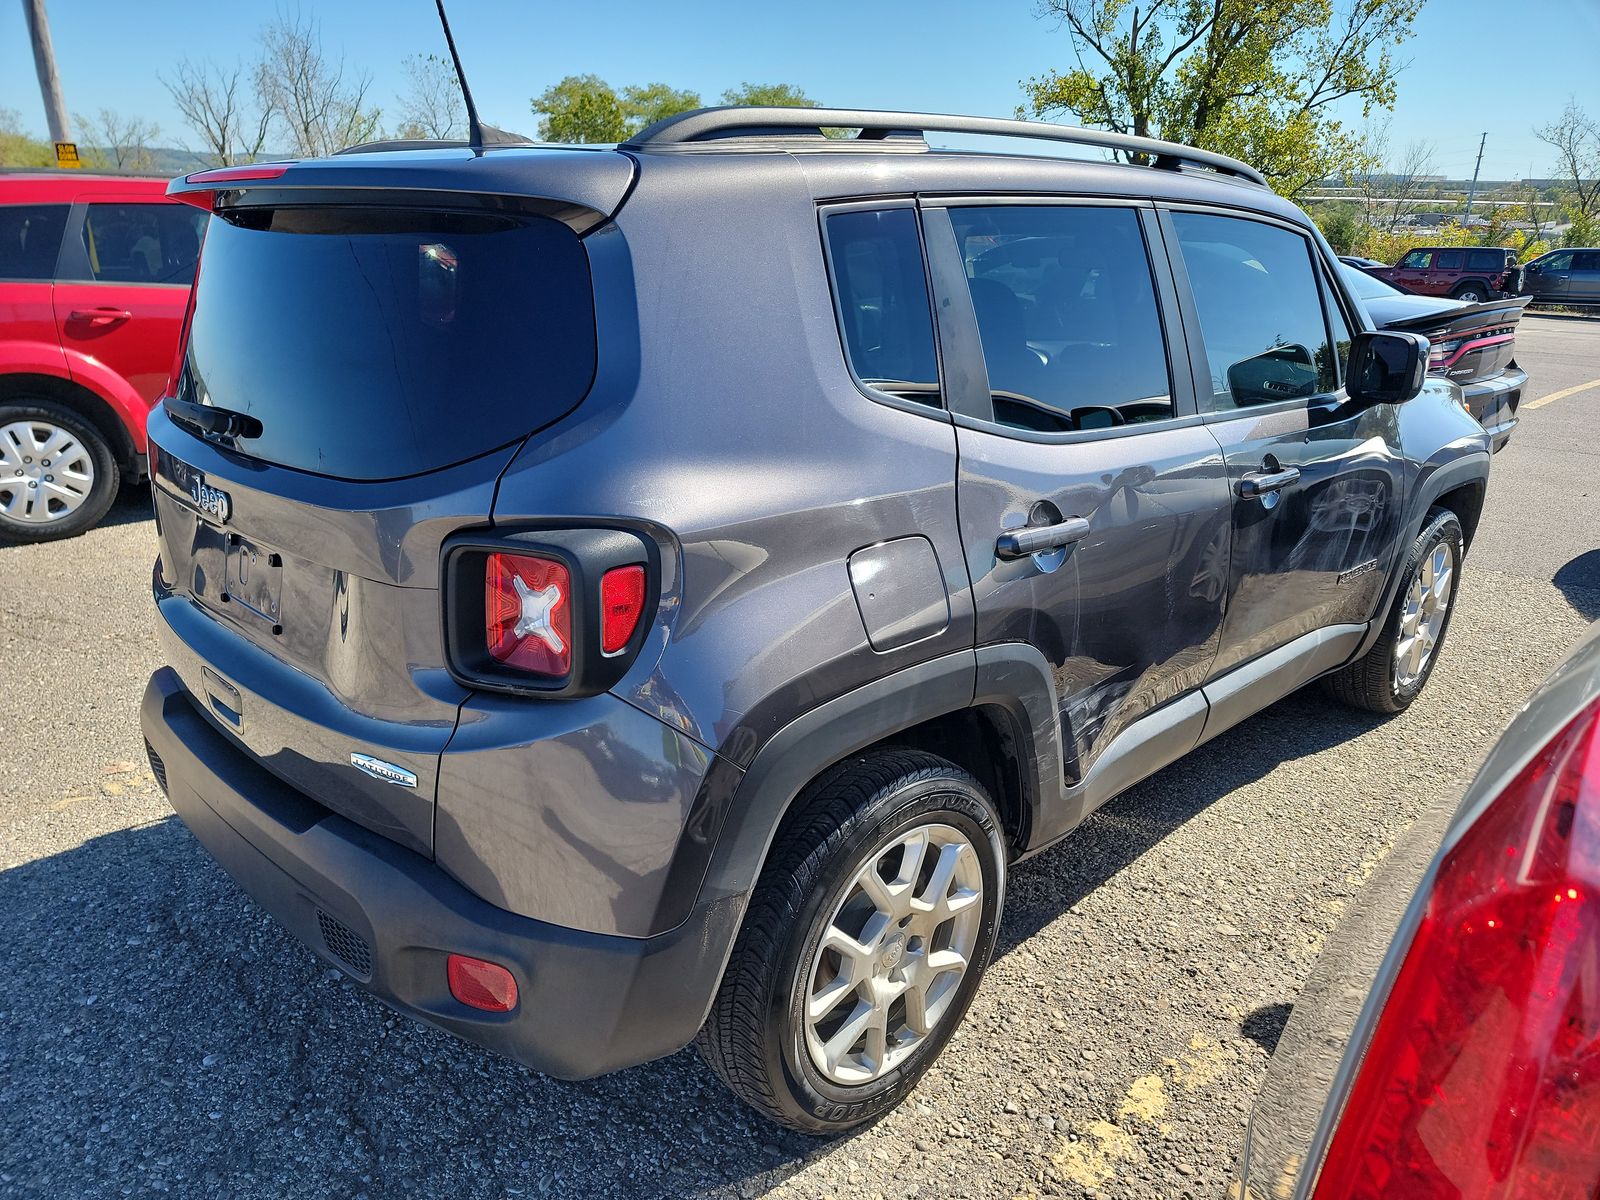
(1482,1077)
(1441,353)
(201,188)
(528,613)
(621,606)
(556,613)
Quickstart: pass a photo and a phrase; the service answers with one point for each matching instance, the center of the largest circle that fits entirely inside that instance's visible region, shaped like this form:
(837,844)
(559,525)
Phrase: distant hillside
(165,161)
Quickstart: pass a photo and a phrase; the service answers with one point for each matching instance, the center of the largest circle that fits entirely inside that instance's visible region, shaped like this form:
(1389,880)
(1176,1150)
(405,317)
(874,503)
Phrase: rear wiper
(207,418)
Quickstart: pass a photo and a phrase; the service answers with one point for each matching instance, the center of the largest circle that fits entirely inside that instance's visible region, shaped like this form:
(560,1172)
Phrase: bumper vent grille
(345,944)
(157,767)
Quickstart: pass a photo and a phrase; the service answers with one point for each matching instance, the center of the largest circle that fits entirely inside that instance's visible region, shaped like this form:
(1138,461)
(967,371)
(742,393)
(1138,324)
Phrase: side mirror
(1387,367)
(1534,267)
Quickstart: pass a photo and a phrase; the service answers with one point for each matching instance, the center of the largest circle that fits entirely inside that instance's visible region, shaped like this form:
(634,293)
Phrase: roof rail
(712,124)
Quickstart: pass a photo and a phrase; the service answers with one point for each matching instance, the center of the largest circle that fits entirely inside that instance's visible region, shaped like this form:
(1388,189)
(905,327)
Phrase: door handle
(1254,484)
(1020,543)
(99,316)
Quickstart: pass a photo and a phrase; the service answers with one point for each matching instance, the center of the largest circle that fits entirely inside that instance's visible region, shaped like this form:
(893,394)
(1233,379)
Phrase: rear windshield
(379,343)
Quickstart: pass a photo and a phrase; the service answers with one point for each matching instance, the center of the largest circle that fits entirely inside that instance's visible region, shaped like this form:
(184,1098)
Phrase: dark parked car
(1567,277)
(1448,1040)
(619,596)
(1469,273)
(1473,345)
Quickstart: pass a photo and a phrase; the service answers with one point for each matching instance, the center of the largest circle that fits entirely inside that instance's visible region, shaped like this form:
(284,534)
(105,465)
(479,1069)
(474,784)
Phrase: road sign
(67,154)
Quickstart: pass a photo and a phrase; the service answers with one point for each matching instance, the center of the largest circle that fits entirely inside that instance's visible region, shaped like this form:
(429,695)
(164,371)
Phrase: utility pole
(44,61)
(1473,190)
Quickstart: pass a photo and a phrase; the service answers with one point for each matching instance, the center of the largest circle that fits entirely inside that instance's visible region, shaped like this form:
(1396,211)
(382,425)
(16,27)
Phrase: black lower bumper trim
(589,1003)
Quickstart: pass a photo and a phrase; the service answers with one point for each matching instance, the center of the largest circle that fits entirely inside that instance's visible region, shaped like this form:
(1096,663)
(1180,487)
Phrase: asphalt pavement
(159,1035)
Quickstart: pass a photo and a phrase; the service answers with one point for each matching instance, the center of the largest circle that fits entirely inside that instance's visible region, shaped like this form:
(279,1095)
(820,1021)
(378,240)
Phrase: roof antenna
(474,126)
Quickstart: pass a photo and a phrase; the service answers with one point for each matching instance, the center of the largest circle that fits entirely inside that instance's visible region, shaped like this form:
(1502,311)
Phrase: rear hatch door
(391,351)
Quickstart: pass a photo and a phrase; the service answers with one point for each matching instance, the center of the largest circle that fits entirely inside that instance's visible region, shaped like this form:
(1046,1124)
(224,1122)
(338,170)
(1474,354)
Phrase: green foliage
(581,108)
(1256,79)
(585,108)
(1584,231)
(644,105)
(1342,225)
(17,149)
(768,95)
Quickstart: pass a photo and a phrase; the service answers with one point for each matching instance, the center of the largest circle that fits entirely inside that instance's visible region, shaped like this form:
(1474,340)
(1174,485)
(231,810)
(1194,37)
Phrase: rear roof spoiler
(581,188)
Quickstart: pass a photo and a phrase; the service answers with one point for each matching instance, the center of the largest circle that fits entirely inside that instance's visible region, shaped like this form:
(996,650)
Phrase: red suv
(94,281)
(1470,273)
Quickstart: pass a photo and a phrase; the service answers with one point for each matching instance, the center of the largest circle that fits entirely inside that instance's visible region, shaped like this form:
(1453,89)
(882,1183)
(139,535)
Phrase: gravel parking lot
(159,1035)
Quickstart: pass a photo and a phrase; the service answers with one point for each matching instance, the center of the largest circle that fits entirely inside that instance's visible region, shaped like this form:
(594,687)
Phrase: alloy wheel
(1422,619)
(46,473)
(891,958)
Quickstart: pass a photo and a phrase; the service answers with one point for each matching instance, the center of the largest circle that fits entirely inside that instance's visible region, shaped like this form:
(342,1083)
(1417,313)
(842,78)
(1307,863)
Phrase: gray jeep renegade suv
(617,596)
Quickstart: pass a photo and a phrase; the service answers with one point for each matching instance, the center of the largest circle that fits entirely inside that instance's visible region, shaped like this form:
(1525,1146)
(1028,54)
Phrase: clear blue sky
(1499,66)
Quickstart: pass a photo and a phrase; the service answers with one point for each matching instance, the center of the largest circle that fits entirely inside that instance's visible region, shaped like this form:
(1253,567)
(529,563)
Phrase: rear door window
(1451,260)
(142,243)
(1261,315)
(381,343)
(30,240)
(1067,315)
(881,289)
(1586,260)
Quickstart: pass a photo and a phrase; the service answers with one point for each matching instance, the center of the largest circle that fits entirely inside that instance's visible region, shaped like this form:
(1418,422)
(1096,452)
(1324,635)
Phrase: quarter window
(142,243)
(1486,260)
(882,293)
(1067,315)
(1261,317)
(30,239)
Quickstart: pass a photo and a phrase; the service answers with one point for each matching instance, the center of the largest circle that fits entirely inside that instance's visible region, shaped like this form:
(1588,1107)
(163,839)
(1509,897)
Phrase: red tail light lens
(1482,1078)
(621,606)
(528,613)
(481,984)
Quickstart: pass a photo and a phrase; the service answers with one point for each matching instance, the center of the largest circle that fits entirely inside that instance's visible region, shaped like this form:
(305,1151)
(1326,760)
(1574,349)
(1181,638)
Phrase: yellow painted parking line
(1561,395)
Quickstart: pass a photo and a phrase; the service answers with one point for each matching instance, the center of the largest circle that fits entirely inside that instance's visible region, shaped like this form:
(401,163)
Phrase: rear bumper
(388,917)
(1494,403)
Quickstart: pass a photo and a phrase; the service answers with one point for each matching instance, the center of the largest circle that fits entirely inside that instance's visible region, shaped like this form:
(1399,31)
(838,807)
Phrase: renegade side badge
(385,771)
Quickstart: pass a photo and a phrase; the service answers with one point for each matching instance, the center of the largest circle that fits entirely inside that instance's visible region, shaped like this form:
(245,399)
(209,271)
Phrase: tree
(581,108)
(431,106)
(1256,79)
(120,143)
(1342,225)
(644,105)
(307,95)
(17,149)
(232,125)
(1575,137)
(769,95)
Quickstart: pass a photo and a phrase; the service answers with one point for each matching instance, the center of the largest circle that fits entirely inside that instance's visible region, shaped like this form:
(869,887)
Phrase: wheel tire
(1374,682)
(1471,294)
(756,1035)
(102,489)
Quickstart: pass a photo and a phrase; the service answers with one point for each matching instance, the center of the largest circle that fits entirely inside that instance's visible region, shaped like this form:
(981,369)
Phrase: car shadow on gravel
(1579,581)
(159,1033)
